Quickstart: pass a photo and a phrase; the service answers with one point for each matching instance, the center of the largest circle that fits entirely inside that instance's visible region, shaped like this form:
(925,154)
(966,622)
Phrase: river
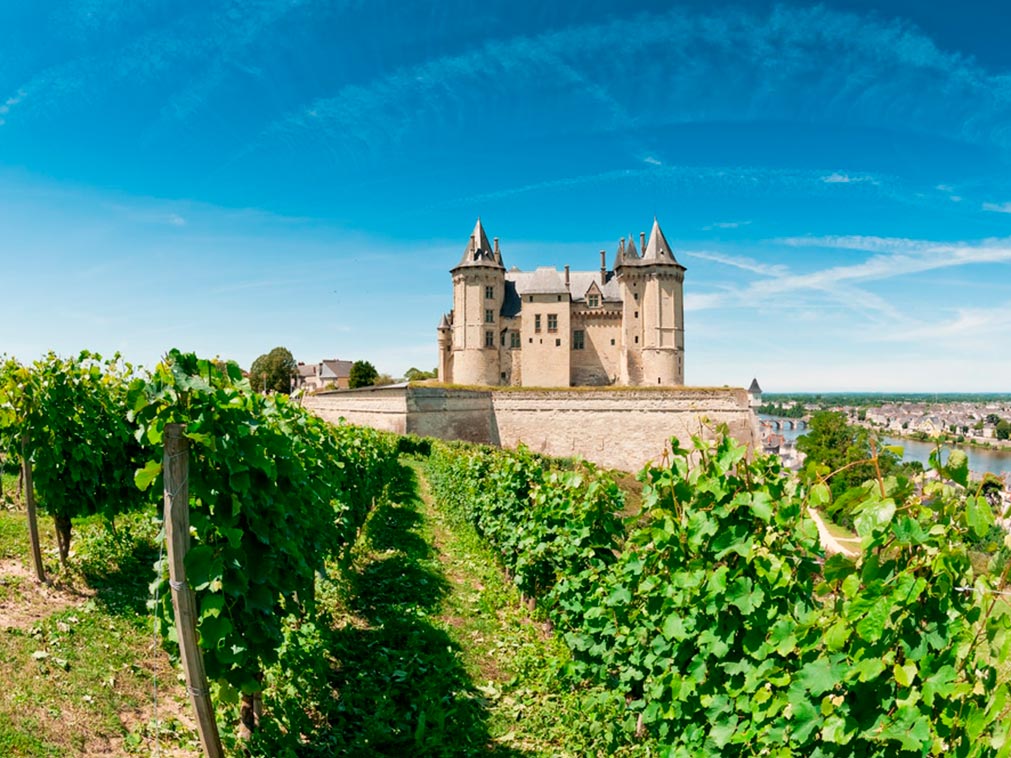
(980,459)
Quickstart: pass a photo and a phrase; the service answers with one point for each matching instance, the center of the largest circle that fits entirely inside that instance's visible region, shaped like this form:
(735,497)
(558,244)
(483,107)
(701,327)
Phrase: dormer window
(593,301)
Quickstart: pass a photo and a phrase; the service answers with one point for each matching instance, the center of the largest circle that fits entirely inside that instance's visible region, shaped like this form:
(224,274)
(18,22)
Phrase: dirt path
(833,544)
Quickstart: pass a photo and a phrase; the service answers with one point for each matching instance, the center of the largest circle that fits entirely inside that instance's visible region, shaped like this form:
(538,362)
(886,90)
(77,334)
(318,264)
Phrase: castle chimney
(642,243)
(496,246)
(603,268)
(566,274)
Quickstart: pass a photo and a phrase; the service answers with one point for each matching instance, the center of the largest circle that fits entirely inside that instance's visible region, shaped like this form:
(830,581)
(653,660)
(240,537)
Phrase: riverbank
(945,439)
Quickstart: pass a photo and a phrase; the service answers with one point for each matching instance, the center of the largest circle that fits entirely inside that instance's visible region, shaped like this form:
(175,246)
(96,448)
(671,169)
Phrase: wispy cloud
(998,207)
(846,285)
(725,225)
(841,178)
(980,325)
(9,103)
(652,161)
(746,264)
(875,78)
(211,40)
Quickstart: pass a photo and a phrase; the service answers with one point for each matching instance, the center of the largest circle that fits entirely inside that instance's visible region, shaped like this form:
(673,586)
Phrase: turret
(653,312)
(755,394)
(478,293)
(445,343)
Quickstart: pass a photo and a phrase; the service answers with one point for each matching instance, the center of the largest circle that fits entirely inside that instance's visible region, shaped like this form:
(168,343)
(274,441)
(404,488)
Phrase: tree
(834,443)
(273,371)
(363,374)
(416,374)
(1003,429)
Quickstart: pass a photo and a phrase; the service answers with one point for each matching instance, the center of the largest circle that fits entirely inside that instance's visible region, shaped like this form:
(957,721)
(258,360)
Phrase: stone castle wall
(617,428)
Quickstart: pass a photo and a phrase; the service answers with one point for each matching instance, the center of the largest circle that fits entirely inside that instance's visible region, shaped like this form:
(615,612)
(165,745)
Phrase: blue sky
(228,177)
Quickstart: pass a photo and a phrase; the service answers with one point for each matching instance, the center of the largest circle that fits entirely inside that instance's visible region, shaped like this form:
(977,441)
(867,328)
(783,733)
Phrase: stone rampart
(619,428)
(379,407)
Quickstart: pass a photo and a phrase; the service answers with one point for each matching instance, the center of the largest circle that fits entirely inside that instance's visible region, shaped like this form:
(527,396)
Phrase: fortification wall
(616,428)
(620,429)
(378,407)
(451,414)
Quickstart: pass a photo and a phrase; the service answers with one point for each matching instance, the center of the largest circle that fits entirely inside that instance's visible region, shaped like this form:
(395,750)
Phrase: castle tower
(445,342)
(474,325)
(652,288)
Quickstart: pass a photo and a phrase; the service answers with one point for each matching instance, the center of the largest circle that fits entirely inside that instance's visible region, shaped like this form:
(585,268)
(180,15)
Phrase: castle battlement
(550,328)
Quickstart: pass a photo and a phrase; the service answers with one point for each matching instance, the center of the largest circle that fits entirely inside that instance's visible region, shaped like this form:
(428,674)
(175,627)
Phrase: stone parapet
(620,428)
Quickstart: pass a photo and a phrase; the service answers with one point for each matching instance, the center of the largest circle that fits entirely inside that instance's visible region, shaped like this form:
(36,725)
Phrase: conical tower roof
(754,389)
(657,249)
(479,251)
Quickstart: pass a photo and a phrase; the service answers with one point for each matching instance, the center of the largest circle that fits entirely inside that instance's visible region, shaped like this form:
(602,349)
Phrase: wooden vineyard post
(175,472)
(33,524)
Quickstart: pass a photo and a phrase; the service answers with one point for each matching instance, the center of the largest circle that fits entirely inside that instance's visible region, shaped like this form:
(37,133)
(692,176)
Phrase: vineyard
(356,593)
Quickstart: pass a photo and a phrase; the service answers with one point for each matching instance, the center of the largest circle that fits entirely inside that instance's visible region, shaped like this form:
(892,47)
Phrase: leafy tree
(992,418)
(273,371)
(363,374)
(416,374)
(843,448)
(1003,430)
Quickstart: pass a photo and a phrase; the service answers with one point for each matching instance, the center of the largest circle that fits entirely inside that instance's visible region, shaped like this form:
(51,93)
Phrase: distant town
(978,424)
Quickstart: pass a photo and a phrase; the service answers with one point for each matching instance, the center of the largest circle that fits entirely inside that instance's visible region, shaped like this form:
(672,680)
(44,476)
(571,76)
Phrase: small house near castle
(546,328)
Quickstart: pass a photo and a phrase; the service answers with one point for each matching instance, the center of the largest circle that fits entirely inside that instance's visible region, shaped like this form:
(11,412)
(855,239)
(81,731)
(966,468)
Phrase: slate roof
(546,280)
(658,251)
(479,251)
(754,389)
(549,281)
(335,369)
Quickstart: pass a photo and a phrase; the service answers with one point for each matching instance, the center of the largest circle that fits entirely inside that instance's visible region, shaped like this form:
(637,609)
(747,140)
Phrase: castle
(546,328)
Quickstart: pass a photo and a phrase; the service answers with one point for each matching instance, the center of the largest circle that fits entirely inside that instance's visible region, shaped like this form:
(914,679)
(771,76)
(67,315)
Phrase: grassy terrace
(426,650)
(78,658)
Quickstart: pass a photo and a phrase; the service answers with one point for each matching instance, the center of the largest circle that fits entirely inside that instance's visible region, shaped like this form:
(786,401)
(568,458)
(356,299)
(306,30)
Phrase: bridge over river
(779,424)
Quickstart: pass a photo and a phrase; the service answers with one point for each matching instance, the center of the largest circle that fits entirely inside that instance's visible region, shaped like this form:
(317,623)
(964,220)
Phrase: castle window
(558,342)
(489,316)
(637,314)
(593,301)
(537,323)
(612,340)
(514,339)
(578,339)
(502,339)
(636,296)
(530,298)
(559,298)
(489,292)
(552,322)
(489,339)
(637,339)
